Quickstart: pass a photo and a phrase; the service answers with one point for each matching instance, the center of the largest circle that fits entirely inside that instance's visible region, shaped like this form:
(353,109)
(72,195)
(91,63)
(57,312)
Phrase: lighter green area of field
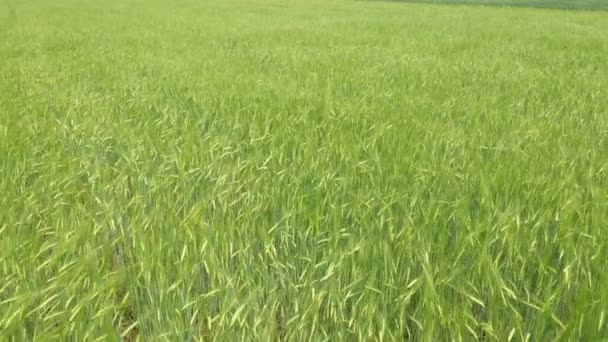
(302,170)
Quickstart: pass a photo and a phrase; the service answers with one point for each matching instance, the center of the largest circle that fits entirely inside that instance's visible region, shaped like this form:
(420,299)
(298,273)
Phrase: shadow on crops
(583,5)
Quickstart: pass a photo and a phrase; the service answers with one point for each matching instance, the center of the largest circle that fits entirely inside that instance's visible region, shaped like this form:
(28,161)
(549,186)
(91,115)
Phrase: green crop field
(601,5)
(302,170)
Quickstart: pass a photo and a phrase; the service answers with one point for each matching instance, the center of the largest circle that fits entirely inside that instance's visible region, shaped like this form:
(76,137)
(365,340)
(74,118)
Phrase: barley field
(299,170)
(585,5)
